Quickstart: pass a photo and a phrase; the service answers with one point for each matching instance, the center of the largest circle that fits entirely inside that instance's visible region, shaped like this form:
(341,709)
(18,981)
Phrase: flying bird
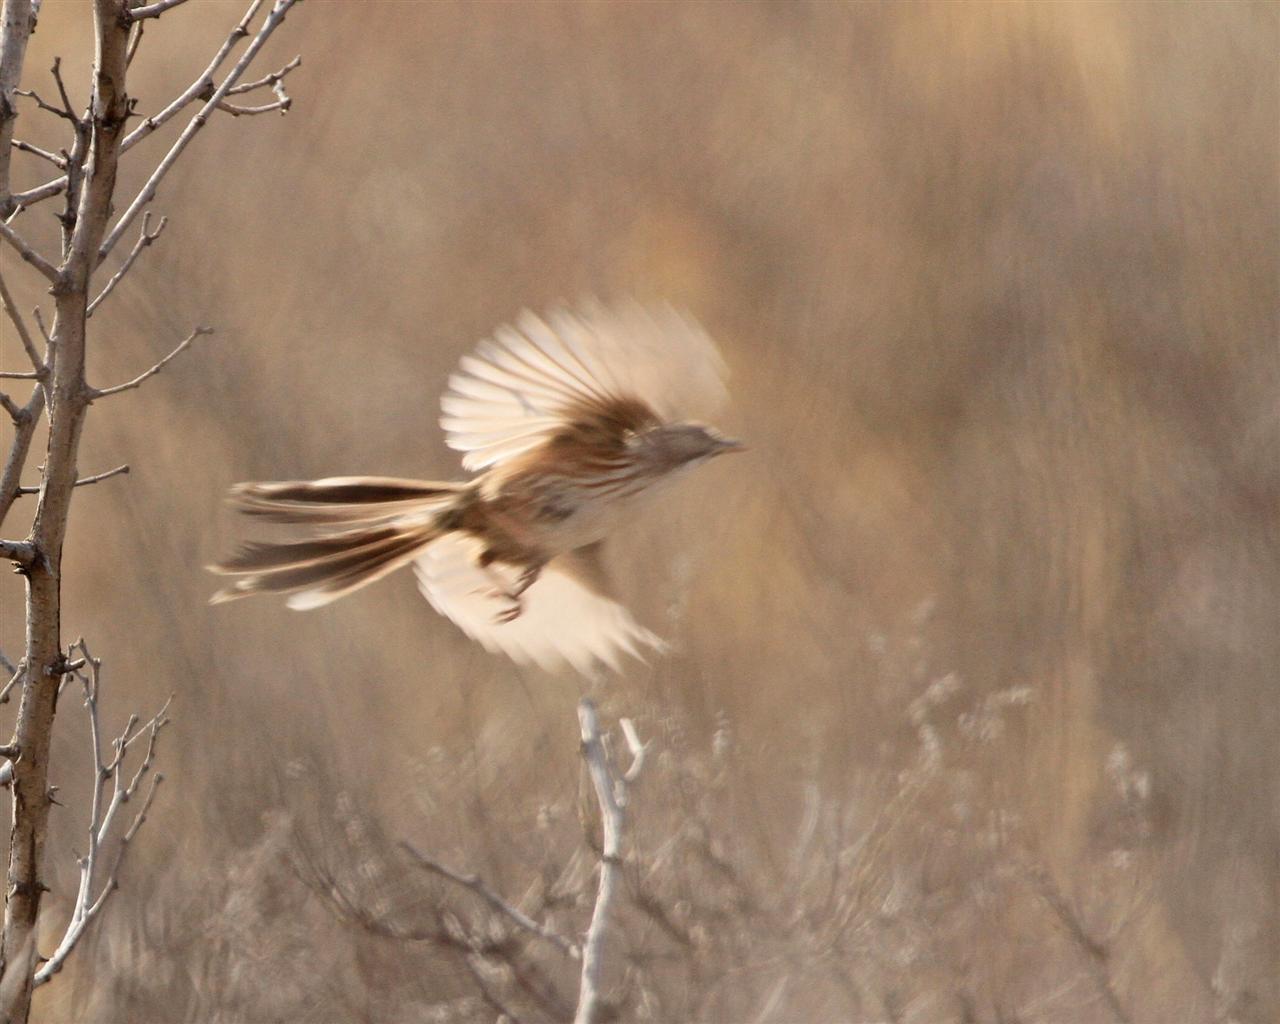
(566,421)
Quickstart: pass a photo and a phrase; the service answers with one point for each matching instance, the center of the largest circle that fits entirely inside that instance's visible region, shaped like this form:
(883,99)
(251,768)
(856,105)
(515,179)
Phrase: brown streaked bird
(566,421)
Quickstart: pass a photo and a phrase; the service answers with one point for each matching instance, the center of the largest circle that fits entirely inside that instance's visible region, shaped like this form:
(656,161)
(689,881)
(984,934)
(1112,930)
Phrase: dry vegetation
(972,716)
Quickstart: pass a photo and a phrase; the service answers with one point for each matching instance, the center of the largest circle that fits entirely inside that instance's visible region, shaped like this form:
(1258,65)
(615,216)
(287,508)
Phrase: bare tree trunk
(68,400)
(16,22)
(61,390)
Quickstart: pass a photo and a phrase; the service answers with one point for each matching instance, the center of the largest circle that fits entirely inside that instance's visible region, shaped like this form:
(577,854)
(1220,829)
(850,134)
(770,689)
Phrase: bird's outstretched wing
(530,380)
(565,616)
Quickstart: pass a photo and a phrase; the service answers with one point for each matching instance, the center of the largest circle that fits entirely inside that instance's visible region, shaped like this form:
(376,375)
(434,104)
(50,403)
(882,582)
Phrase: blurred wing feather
(562,621)
(530,380)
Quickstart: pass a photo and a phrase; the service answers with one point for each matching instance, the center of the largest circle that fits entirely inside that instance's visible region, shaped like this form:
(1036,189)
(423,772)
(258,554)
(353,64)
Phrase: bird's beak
(730,444)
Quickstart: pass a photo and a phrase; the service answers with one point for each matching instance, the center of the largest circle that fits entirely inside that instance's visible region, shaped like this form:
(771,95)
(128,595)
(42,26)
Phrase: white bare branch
(94,890)
(27,253)
(148,191)
(17,22)
(145,238)
(282,103)
(154,10)
(267,80)
(11,310)
(96,393)
(200,89)
(59,162)
(84,481)
(611,794)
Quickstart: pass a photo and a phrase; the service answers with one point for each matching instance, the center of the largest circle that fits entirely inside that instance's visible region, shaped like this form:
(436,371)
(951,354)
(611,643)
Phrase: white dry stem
(95,889)
(612,792)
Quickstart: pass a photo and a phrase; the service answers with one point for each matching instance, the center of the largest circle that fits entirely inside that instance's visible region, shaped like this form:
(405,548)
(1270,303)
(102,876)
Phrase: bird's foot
(512,611)
(526,579)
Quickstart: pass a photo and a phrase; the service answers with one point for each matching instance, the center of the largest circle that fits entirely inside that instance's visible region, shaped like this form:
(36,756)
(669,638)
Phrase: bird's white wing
(562,619)
(525,383)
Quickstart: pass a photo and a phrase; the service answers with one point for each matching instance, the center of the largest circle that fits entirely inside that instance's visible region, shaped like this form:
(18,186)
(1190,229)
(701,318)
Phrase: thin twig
(44,154)
(27,253)
(266,80)
(90,897)
(1093,952)
(85,481)
(473,963)
(96,393)
(135,37)
(199,89)
(477,886)
(31,94)
(148,191)
(11,309)
(44,331)
(145,238)
(154,10)
(282,104)
(67,105)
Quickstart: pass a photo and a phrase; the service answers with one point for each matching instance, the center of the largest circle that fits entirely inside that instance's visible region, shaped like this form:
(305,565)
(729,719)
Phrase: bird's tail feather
(340,500)
(388,524)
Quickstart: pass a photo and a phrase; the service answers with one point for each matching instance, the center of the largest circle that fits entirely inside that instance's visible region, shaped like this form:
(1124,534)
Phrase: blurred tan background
(998,287)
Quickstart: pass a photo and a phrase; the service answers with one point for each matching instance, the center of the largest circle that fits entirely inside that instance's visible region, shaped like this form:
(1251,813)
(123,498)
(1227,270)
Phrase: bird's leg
(514,606)
(528,578)
(511,593)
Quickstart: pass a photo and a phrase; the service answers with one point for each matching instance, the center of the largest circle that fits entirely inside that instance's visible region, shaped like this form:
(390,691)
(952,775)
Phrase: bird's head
(687,444)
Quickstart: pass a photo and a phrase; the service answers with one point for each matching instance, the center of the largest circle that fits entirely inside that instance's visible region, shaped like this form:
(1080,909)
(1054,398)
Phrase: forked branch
(478,886)
(612,793)
(95,886)
(96,393)
(145,238)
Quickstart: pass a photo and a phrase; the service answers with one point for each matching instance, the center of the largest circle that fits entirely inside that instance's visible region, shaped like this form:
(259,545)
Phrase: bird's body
(565,423)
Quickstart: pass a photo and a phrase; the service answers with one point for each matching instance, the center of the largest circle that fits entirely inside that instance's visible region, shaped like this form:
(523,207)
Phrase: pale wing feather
(524,384)
(562,621)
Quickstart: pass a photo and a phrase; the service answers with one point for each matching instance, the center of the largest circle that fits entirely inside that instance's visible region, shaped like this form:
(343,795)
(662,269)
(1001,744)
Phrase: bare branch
(20,375)
(477,886)
(95,393)
(11,309)
(27,253)
(44,154)
(145,238)
(201,88)
(85,481)
(20,552)
(282,104)
(148,191)
(475,967)
(25,200)
(1094,954)
(90,896)
(19,21)
(14,410)
(23,432)
(67,105)
(44,331)
(135,37)
(50,108)
(611,794)
(155,10)
(267,80)
(15,674)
